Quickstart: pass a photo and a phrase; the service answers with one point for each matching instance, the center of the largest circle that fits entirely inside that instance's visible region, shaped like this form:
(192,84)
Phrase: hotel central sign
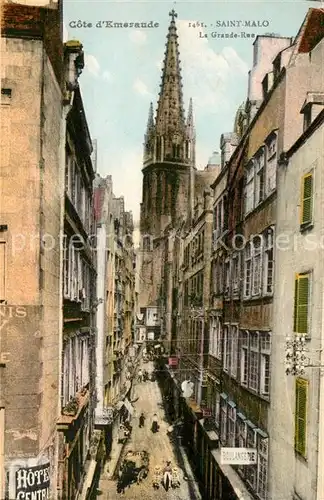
(33,483)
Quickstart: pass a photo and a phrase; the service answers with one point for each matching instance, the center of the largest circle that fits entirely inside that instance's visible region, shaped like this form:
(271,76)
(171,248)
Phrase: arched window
(158,148)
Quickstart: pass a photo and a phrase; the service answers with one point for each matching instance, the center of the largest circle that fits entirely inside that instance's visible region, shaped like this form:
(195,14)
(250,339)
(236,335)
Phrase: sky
(122,73)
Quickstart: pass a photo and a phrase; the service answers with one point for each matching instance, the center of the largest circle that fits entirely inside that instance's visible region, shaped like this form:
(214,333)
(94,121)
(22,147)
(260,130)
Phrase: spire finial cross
(173,14)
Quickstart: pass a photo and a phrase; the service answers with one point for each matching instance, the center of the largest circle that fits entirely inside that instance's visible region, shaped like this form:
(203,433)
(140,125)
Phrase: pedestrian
(167,475)
(155,425)
(141,420)
(140,375)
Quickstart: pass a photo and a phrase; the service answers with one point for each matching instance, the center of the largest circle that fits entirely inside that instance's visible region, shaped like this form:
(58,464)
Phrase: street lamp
(296,361)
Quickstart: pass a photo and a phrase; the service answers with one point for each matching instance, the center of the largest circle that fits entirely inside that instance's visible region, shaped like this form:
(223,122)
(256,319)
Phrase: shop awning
(119,405)
(129,406)
(236,482)
(88,480)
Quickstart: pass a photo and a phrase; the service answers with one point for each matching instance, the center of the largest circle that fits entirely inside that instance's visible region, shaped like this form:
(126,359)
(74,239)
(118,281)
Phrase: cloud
(65,33)
(107,76)
(129,166)
(92,64)
(206,72)
(138,37)
(159,64)
(140,87)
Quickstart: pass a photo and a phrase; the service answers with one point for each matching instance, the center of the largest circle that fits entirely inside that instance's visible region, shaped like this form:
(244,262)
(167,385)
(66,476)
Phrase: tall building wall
(30,207)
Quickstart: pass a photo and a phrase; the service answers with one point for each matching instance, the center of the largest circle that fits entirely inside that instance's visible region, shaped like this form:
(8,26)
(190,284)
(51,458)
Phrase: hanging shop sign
(238,456)
(131,352)
(173,361)
(33,483)
(207,412)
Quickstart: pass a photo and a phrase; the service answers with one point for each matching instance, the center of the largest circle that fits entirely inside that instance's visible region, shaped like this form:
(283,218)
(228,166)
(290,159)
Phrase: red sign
(173,361)
(207,412)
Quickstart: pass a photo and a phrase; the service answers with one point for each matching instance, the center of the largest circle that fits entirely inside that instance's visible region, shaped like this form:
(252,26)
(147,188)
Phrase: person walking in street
(141,420)
(167,475)
(155,425)
(140,375)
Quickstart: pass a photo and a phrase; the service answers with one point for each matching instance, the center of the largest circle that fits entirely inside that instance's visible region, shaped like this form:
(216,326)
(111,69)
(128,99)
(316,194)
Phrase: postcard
(161,249)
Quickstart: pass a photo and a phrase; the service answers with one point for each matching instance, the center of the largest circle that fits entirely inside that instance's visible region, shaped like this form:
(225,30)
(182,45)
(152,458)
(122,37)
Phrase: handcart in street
(134,468)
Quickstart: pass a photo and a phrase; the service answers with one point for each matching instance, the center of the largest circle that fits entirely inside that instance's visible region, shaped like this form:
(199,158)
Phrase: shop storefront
(226,482)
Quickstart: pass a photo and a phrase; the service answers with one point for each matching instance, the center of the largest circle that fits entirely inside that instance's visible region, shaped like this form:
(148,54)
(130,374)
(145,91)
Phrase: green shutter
(307,199)
(301,416)
(301,303)
(296,303)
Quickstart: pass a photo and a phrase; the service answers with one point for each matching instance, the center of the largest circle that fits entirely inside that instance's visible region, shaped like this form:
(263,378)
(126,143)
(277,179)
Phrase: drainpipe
(2,436)
(201,360)
(320,463)
(65,111)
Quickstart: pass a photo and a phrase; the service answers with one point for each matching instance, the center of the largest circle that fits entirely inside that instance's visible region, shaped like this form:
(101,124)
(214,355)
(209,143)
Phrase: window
(217,408)
(231,423)
(301,416)
(223,433)
(248,271)
(250,470)
(215,345)
(227,348)
(254,361)
(249,188)
(227,276)
(2,271)
(265,346)
(234,340)
(240,430)
(235,273)
(66,267)
(262,467)
(240,438)
(306,212)
(268,271)
(259,178)
(271,167)
(301,301)
(244,357)
(257,265)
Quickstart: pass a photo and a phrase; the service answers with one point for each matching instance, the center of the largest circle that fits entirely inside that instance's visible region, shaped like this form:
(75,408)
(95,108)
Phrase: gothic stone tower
(168,170)
(169,149)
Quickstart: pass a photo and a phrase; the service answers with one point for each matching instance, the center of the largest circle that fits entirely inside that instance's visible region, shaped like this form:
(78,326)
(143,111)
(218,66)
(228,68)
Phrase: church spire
(170,112)
(150,122)
(190,120)
(170,138)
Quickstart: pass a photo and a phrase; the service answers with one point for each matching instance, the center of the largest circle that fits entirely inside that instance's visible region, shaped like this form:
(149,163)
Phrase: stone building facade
(169,158)
(244,355)
(116,309)
(48,386)
(31,299)
(78,442)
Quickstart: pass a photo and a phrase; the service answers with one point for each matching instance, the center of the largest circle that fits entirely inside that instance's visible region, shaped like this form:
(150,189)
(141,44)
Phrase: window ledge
(307,226)
(300,456)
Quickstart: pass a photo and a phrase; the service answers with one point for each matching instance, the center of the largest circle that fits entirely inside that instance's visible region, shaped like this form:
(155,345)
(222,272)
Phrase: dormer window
(313,105)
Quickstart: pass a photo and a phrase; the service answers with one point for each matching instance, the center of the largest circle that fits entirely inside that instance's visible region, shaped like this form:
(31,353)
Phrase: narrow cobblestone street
(159,448)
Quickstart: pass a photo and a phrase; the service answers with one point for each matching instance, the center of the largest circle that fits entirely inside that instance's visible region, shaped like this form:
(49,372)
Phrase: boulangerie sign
(33,483)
